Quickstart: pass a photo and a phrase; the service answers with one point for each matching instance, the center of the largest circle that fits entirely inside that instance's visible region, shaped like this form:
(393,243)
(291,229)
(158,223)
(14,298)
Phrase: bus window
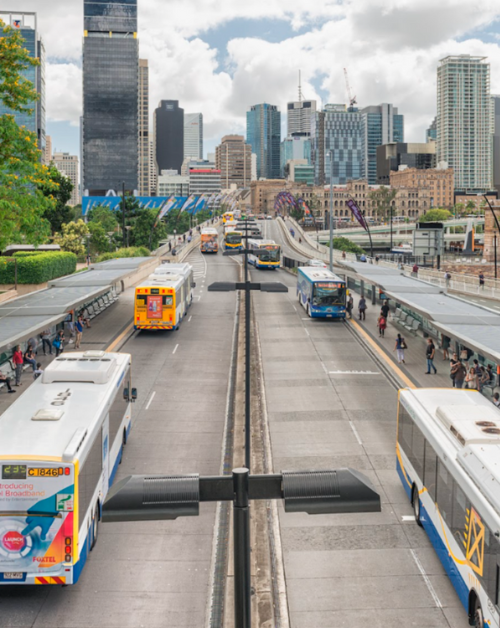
(87,478)
(417,450)
(168,301)
(430,468)
(117,410)
(444,492)
(460,506)
(405,430)
(326,293)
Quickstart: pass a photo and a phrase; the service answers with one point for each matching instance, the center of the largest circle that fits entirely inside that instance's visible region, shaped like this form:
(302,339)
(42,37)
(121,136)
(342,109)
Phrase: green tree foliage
(22,203)
(104,216)
(73,237)
(99,240)
(132,251)
(37,267)
(144,234)
(435,215)
(382,200)
(344,244)
(458,209)
(61,213)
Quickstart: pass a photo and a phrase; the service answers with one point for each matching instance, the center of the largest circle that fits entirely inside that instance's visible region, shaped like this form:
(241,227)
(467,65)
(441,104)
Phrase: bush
(344,244)
(132,251)
(36,268)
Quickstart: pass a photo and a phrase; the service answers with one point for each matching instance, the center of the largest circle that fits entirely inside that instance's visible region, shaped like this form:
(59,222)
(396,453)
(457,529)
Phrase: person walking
(18,362)
(79,331)
(29,357)
(382,324)
(481,281)
(58,343)
(430,352)
(362,309)
(349,305)
(414,270)
(445,345)
(459,374)
(4,378)
(399,348)
(45,336)
(385,309)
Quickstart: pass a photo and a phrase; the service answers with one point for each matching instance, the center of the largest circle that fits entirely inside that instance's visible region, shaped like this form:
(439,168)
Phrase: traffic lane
(329,406)
(273,232)
(155,573)
(304,242)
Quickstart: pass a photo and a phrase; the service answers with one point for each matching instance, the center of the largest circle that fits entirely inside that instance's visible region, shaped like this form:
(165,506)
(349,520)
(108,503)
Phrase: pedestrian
(85,318)
(17,359)
(477,373)
(33,343)
(385,309)
(447,279)
(79,332)
(491,376)
(58,343)
(399,348)
(496,400)
(430,352)
(362,309)
(71,327)
(454,360)
(414,270)
(343,255)
(184,237)
(445,345)
(470,378)
(460,374)
(189,238)
(38,371)
(4,378)
(376,259)
(350,305)
(481,281)
(45,336)
(382,324)
(483,377)
(29,357)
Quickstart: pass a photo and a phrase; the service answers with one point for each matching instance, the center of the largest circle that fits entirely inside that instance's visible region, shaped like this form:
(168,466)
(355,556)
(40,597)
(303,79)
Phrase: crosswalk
(198,263)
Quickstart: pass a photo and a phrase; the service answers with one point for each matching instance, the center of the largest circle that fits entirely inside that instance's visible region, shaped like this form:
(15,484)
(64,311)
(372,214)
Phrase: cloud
(64,92)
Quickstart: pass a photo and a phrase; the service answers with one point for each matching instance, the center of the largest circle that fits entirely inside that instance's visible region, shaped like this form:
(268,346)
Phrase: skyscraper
(193,135)
(68,165)
(431,132)
(463,121)
(495,130)
(382,125)
(169,136)
(143,124)
(264,136)
(34,121)
(299,114)
(110,96)
(153,175)
(234,159)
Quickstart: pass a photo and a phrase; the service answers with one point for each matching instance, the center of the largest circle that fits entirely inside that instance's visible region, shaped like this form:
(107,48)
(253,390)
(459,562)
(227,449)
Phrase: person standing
(470,379)
(414,270)
(79,331)
(445,345)
(18,361)
(477,375)
(45,336)
(430,352)
(382,324)
(481,281)
(59,343)
(459,373)
(454,360)
(400,349)
(385,309)
(33,343)
(362,309)
(349,305)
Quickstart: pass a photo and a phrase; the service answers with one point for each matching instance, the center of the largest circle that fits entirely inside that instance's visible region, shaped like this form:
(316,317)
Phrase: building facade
(495,131)
(264,136)
(391,156)
(299,115)
(295,147)
(204,181)
(34,119)
(193,135)
(381,125)
(47,157)
(143,125)
(233,157)
(169,135)
(153,173)
(171,183)
(110,96)
(464,122)
(431,133)
(69,166)
(299,171)
(438,181)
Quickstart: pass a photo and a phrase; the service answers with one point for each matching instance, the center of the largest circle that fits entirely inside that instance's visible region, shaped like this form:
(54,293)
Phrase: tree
(382,200)
(344,244)
(144,234)
(61,213)
(435,215)
(458,209)
(99,240)
(22,203)
(470,207)
(104,216)
(72,237)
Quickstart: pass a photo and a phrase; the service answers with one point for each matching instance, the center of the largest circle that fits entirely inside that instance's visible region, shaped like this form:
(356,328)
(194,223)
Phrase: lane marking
(324,367)
(176,347)
(358,438)
(426,580)
(189,319)
(385,357)
(353,373)
(408,518)
(151,399)
(120,338)
(294,307)
(307,332)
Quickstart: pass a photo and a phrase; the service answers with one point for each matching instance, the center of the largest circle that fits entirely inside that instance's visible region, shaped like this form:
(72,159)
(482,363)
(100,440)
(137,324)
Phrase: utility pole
(123,212)
(331,211)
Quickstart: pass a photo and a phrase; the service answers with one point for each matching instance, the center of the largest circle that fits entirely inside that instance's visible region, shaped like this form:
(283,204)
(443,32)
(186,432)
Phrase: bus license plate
(13,575)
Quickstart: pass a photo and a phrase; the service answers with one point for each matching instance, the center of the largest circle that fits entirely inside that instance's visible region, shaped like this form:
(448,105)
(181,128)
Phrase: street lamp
(128,227)
(331,211)
(494,237)
(87,237)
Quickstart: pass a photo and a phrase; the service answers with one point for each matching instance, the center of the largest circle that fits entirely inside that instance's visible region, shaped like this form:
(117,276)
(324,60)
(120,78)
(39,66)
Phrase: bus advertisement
(321,293)
(264,254)
(209,240)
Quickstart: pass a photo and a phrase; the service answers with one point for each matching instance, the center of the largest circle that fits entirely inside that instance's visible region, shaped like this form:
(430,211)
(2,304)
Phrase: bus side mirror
(134,394)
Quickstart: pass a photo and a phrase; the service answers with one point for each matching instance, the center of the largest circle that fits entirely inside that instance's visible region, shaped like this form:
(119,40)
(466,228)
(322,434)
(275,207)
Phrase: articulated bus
(228,216)
(233,239)
(321,293)
(162,301)
(60,446)
(265,253)
(447,456)
(209,240)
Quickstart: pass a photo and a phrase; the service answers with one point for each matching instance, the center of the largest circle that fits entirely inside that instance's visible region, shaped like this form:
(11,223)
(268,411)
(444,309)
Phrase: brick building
(490,230)
(423,189)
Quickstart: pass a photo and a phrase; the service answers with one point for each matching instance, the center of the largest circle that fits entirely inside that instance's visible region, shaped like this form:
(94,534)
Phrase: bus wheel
(95,527)
(478,616)
(416,505)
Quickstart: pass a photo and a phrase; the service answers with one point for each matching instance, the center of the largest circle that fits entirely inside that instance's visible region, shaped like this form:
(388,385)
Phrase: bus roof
(262,242)
(62,407)
(167,275)
(209,231)
(469,424)
(313,274)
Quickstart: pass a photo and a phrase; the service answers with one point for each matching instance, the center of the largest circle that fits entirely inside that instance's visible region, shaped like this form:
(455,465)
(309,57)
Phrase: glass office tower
(110,96)
(382,125)
(264,135)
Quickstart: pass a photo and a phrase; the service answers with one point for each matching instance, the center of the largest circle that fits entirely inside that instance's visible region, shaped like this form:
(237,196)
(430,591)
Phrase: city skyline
(208,59)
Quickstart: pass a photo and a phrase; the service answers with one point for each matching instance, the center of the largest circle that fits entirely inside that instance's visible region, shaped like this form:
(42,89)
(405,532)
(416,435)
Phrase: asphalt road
(155,574)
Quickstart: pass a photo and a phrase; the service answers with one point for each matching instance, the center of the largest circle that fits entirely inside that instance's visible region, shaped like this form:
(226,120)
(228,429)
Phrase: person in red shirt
(18,361)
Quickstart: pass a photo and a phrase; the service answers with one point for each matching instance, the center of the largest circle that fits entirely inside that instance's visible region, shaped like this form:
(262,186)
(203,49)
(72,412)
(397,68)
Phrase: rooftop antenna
(300,89)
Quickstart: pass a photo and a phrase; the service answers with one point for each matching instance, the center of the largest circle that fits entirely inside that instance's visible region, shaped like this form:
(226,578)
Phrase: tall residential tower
(169,136)
(110,96)
(264,136)
(381,125)
(193,135)
(143,124)
(234,159)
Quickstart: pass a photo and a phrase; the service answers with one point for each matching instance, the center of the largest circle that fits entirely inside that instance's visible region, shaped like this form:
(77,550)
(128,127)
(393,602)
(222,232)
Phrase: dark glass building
(110,96)
(169,136)
(264,135)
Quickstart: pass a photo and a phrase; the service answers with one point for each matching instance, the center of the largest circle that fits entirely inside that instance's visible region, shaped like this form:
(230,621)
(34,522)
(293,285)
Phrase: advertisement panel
(155,309)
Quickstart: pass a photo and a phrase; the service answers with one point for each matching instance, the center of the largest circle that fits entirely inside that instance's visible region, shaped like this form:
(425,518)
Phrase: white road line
(408,518)
(151,399)
(358,438)
(189,319)
(307,332)
(294,307)
(426,580)
(354,373)
(324,367)
(176,346)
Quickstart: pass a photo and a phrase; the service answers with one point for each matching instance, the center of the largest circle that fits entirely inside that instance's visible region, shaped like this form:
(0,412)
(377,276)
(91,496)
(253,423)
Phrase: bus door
(105,457)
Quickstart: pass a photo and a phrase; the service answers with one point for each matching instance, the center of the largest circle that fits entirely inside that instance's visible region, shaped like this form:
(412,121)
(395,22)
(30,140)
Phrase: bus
(162,301)
(447,452)
(265,254)
(227,216)
(60,446)
(233,239)
(209,240)
(321,293)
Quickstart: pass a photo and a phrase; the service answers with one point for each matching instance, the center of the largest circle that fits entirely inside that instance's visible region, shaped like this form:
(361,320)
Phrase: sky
(222,56)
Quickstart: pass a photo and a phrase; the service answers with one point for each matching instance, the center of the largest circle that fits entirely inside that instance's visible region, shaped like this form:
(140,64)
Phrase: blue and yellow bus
(233,239)
(227,217)
(321,293)
(264,254)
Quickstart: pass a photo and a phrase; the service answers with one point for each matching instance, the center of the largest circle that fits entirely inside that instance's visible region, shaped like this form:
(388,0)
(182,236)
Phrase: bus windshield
(269,254)
(233,238)
(328,293)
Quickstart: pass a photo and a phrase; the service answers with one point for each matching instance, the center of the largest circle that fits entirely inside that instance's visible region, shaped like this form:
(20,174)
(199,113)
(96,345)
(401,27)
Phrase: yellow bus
(162,301)
(228,216)
(233,239)
(209,240)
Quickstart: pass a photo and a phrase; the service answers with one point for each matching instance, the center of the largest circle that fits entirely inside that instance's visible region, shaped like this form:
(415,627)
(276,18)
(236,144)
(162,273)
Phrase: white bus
(448,459)
(60,446)
(264,253)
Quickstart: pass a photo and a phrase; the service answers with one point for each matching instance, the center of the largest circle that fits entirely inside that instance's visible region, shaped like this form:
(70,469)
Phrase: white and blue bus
(321,293)
(60,446)
(264,254)
(447,456)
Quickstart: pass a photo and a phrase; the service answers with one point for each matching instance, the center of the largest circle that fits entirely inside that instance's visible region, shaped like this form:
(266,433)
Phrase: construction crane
(352,99)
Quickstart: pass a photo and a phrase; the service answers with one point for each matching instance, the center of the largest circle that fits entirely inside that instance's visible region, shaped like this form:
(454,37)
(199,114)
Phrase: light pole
(495,237)
(127,228)
(331,211)
(123,211)
(87,237)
